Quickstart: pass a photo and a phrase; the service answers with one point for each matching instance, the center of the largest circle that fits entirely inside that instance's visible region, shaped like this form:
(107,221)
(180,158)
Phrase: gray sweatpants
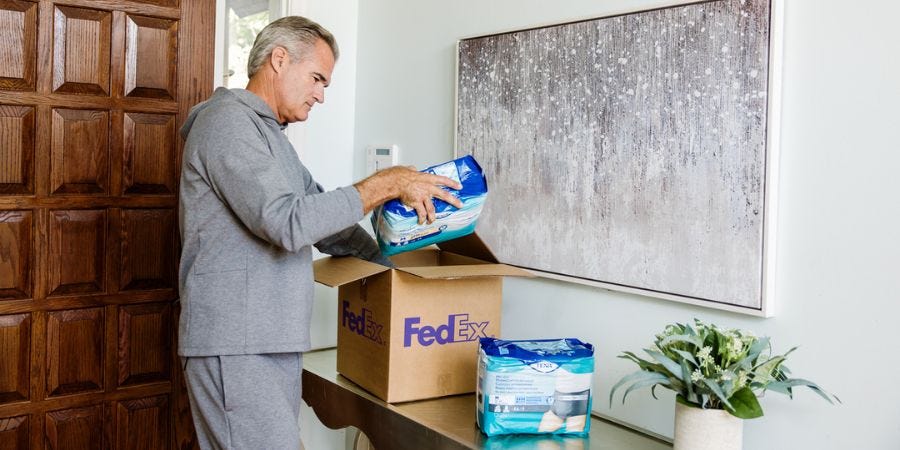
(245,401)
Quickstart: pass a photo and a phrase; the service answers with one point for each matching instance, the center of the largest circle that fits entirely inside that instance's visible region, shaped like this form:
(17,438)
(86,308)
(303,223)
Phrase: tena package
(397,226)
(539,386)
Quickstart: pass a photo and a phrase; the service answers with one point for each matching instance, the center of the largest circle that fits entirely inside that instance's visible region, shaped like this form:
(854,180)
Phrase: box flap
(466,271)
(469,245)
(338,270)
(428,256)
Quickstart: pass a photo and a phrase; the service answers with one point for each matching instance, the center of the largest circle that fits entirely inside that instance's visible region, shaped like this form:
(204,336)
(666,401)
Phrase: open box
(411,332)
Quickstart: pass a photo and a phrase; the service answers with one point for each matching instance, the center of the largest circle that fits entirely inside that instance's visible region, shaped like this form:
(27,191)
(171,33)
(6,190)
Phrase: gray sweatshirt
(249,212)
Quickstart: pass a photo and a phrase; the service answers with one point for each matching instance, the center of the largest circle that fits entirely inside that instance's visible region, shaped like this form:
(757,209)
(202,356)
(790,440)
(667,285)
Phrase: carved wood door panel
(91,96)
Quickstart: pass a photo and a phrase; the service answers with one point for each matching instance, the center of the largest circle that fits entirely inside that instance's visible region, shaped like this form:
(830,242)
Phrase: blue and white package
(534,386)
(397,226)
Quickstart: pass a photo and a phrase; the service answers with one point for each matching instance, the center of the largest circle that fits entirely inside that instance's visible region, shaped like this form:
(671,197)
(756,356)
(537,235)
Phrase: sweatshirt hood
(224,95)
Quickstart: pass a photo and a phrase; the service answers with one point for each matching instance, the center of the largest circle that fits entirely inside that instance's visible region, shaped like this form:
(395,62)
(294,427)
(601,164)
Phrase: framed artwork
(636,152)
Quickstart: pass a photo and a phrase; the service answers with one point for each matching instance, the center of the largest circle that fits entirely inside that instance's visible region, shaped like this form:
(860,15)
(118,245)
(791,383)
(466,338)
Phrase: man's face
(301,84)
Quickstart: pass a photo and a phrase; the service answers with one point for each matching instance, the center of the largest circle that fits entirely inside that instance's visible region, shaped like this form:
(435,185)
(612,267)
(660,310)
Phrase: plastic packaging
(534,386)
(397,226)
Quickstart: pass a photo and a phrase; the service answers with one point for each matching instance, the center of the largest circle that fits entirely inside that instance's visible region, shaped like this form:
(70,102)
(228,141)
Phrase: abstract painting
(634,151)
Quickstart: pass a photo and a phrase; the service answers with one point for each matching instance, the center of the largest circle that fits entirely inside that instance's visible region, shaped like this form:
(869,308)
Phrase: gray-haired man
(249,213)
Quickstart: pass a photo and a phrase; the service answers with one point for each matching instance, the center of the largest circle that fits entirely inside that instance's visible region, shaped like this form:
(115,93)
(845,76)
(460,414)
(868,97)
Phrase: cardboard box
(411,332)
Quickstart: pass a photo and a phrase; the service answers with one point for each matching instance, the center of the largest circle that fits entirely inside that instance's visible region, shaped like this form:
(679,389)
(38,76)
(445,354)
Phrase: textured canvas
(630,150)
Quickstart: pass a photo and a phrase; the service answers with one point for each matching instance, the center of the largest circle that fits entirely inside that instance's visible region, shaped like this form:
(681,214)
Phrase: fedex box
(412,332)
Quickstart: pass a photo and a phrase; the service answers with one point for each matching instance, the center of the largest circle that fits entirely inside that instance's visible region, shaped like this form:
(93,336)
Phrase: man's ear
(279,59)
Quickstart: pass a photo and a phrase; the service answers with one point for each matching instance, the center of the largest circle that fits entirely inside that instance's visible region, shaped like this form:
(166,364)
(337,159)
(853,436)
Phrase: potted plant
(717,375)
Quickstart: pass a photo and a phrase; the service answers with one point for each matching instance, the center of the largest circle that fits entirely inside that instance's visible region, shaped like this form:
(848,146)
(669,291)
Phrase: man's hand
(415,189)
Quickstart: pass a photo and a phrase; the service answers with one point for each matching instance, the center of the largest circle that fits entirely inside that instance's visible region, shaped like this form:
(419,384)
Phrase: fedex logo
(362,324)
(457,329)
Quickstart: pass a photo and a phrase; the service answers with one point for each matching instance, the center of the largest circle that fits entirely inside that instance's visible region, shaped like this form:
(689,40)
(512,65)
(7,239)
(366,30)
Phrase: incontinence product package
(397,226)
(534,386)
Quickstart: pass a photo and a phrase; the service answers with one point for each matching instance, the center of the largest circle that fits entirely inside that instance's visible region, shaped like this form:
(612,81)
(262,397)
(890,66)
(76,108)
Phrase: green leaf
(780,387)
(689,387)
(767,370)
(752,355)
(673,367)
(632,357)
(681,338)
(653,390)
(686,356)
(718,391)
(644,383)
(728,385)
(636,377)
(784,387)
(642,363)
(758,346)
(744,404)
(783,368)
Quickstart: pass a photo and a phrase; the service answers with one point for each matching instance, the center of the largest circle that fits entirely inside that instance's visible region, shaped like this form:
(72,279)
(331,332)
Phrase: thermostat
(381,157)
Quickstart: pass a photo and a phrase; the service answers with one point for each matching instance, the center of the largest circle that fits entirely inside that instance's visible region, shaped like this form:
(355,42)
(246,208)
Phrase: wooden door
(91,95)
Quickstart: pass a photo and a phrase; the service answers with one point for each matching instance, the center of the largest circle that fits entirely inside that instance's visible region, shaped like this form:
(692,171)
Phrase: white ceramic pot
(707,429)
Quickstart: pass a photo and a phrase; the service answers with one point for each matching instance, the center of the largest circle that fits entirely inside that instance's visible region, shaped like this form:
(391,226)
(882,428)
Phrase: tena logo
(544,366)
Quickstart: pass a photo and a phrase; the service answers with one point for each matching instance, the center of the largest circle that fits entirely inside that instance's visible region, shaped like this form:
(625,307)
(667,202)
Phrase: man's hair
(295,34)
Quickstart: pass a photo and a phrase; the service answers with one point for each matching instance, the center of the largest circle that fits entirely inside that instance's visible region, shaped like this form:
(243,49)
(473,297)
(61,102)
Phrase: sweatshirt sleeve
(352,241)
(245,175)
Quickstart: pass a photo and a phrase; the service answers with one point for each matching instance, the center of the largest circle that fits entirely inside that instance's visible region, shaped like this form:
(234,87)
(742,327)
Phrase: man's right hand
(415,189)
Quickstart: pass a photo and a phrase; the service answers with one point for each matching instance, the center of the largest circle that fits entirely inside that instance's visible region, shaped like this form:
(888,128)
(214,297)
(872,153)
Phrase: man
(249,213)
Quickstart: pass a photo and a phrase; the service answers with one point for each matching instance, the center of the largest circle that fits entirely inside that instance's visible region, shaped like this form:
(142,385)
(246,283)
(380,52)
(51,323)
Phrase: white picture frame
(500,229)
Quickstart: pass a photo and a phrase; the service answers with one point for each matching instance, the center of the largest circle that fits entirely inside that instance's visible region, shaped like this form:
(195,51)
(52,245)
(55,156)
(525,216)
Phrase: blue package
(397,227)
(534,386)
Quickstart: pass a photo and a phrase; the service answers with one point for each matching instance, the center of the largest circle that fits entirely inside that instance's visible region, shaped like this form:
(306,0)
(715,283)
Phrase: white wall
(325,145)
(325,141)
(838,273)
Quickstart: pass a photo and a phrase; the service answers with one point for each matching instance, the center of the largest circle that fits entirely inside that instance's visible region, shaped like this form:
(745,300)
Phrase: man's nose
(319,95)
